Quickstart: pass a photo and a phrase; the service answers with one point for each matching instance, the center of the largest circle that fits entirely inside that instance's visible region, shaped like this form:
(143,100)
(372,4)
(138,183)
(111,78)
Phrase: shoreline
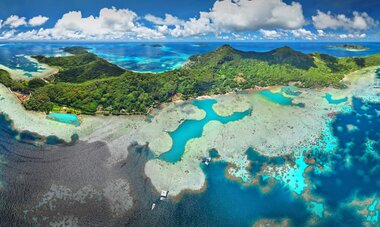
(19,74)
(231,140)
(306,131)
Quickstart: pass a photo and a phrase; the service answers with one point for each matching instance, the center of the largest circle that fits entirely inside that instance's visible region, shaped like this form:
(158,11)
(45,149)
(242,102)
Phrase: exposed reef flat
(43,71)
(119,131)
(272,129)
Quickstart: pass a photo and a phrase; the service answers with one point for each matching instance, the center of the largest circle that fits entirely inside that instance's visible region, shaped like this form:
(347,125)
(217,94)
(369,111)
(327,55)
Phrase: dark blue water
(228,203)
(146,57)
(356,163)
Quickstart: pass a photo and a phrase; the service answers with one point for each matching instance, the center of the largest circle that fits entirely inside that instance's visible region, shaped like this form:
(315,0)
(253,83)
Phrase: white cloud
(194,26)
(359,21)
(234,16)
(37,21)
(168,20)
(7,34)
(227,19)
(303,34)
(111,24)
(247,15)
(351,36)
(329,35)
(15,21)
(272,34)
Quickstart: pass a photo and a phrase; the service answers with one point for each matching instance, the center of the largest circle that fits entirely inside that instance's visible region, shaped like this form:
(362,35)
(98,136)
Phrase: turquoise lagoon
(279,98)
(333,101)
(64,118)
(190,129)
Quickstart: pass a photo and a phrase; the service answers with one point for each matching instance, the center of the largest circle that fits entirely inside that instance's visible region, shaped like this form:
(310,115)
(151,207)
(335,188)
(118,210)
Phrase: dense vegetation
(20,85)
(92,85)
(81,66)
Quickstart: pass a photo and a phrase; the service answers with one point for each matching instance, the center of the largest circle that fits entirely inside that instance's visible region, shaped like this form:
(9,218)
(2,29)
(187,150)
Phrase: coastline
(19,74)
(290,128)
(231,140)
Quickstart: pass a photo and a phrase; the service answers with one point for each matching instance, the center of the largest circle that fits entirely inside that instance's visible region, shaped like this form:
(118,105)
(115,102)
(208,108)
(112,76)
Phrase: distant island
(152,45)
(89,84)
(200,44)
(350,47)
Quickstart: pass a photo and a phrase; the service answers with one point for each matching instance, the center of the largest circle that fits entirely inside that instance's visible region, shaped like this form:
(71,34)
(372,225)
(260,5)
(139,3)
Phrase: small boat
(206,160)
(164,194)
(153,206)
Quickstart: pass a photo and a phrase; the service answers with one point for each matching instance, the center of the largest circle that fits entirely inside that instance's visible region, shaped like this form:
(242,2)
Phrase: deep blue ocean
(343,186)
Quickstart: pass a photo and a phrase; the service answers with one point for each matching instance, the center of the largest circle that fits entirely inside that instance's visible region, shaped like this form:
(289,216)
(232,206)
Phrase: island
(349,47)
(273,123)
(89,84)
(152,45)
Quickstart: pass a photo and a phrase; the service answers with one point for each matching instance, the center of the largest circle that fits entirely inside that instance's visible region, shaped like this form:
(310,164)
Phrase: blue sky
(190,20)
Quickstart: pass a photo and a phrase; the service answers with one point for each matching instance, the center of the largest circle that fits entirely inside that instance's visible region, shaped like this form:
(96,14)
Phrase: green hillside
(81,66)
(91,84)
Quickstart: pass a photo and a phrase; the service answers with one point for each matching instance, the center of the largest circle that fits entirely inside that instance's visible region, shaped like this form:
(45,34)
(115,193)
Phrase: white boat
(164,195)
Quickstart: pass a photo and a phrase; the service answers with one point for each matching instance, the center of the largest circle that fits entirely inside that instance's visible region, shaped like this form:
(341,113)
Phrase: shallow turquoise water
(333,101)
(190,129)
(278,98)
(64,118)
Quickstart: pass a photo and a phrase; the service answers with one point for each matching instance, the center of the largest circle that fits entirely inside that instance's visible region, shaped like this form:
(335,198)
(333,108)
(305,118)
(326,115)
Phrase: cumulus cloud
(354,35)
(351,36)
(235,16)
(37,21)
(111,24)
(194,27)
(247,15)
(303,34)
(272,34)
(15,21)
(359,21)
(167,20)
(7,34)
(226,19)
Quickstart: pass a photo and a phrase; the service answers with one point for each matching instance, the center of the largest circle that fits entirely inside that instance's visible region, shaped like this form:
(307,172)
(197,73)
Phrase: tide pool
(333,101)
(64,118)
(276,97)
(290,90)
(190,129)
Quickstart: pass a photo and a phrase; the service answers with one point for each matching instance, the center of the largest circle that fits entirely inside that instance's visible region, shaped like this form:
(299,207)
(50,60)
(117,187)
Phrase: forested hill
(81,66)
(91,85)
